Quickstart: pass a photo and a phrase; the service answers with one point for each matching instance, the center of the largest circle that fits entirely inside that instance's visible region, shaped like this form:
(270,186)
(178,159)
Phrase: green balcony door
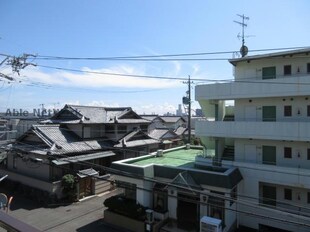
(269,113)
(269,155)
(269,195)
(269,73)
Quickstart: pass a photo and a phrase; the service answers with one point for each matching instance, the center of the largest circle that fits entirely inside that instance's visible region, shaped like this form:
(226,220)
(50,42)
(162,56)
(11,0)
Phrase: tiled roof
(149,117)
(61,140)
(161,132)
(180,130)
(74,159)
(136,138)
(97,114)
(171,119)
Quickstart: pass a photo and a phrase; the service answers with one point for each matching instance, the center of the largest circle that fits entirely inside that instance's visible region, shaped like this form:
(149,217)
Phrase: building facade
(180,187)
(267,138)
(78,140)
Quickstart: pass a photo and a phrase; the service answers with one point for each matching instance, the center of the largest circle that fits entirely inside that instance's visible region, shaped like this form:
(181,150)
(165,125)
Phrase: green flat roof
(175,158)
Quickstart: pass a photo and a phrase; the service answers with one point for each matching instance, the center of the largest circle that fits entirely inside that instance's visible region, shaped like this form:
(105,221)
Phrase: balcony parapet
(244,88)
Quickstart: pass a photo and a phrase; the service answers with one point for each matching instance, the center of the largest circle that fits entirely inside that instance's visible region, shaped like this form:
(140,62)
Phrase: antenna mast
(243,49)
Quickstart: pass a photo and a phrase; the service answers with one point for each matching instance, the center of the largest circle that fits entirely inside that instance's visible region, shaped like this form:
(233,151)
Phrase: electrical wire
(161,56)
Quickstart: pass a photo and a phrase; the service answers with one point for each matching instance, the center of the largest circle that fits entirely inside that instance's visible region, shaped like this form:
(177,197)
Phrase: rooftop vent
(159,153)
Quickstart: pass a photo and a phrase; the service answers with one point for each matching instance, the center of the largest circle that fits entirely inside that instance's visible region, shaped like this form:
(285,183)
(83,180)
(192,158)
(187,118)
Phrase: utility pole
(188,101)
(16,63)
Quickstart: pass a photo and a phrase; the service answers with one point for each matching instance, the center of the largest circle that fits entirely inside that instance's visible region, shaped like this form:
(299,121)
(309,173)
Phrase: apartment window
(308,110)
(308,153)
(287,70)
(288,152)
(269,73)
(288,194)
(287,111)
(308,68)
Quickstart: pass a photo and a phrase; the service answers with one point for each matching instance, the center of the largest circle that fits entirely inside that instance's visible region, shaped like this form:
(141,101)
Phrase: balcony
(256,88)
(294,131)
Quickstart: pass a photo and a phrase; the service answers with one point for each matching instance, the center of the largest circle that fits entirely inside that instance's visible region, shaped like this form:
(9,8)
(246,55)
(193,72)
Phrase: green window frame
(269,155)
(269,72)
(269,113)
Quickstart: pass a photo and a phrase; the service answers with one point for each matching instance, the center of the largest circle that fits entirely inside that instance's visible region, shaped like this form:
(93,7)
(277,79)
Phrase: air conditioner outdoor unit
(209,224)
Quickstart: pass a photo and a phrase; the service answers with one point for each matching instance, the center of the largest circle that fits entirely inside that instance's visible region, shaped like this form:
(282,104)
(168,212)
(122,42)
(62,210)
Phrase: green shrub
(69,187)
(126,207)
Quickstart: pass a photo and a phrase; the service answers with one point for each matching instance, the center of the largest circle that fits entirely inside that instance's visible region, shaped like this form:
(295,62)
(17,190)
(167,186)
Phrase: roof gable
(162,133)
(171,119)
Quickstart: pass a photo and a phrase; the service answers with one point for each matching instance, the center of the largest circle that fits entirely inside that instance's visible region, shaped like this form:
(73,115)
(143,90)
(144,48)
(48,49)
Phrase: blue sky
(96,28)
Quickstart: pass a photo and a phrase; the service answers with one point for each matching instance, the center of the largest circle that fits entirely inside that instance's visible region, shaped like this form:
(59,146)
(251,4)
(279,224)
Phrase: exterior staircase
(229,153)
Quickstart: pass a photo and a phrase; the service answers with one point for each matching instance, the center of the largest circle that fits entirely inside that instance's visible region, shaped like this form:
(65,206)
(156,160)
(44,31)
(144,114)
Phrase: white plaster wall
(144,194)
(297,161)
(298,104)
(253,69)
(28,168)
(172,203)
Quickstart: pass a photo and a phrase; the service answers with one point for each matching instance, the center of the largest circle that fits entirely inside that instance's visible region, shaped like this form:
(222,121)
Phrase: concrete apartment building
(267,139)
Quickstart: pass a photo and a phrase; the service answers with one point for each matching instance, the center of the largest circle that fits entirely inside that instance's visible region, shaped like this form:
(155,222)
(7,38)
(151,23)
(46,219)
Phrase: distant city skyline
(137,28)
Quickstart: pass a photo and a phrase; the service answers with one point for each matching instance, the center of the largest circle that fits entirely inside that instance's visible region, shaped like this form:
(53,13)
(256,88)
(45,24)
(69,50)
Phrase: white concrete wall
(294,131)
(299,108)
(25,166)
(285,87)
(172,202)
(145,194)
(51,187)
(253,69)
(299,152)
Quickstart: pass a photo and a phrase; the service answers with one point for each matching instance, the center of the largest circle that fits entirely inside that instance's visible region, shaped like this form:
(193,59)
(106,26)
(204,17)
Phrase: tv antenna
(244,49)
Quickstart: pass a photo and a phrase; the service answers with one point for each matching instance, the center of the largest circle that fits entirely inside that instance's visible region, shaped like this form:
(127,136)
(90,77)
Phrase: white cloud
(140,109)
(155,109)
(93,80)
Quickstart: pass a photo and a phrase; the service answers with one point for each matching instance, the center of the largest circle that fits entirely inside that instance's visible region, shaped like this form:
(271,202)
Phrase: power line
(47,57)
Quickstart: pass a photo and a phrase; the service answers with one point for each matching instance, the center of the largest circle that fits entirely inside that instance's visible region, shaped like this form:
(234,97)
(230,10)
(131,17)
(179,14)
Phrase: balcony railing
(295,131)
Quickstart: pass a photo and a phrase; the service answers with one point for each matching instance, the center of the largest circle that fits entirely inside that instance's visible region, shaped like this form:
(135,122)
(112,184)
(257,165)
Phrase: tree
(69,187)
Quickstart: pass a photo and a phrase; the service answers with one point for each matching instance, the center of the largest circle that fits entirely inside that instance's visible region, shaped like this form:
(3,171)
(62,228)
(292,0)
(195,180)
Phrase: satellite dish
(244,50)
